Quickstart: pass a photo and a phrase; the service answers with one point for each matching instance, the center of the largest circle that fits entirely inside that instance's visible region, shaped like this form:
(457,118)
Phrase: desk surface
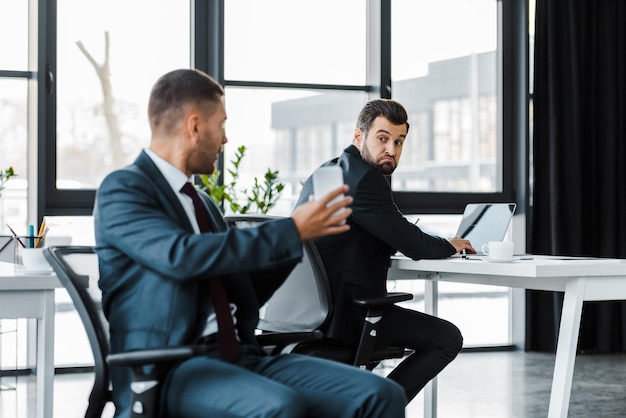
(10,280)
(538,272)
(528,266)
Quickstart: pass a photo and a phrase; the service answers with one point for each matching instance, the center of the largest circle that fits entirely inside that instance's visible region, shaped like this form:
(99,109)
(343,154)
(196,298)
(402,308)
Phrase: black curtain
(579,158)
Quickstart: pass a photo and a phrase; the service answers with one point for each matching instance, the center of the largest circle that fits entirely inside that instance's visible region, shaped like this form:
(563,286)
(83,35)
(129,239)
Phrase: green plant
(261,197)
(5,176)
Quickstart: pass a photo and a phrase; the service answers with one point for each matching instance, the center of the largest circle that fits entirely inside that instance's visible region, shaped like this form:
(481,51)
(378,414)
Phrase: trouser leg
(435,341)
(332,389)
(280,386)
(204,387)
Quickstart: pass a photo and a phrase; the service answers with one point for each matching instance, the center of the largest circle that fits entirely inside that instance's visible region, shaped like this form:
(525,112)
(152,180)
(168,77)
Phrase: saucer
(500,260)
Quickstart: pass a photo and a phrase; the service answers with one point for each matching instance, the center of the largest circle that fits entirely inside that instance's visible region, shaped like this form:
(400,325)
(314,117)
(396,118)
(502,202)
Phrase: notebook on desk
(484,222)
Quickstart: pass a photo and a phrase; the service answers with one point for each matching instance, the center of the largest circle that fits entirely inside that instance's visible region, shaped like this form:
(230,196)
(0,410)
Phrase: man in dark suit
(160,260)
(357,260)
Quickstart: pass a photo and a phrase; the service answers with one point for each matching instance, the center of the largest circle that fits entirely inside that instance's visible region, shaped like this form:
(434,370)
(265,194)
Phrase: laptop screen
(484,222)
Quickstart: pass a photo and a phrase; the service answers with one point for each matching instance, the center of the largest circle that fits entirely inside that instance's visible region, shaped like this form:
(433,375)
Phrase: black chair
(77,269)
(304,304)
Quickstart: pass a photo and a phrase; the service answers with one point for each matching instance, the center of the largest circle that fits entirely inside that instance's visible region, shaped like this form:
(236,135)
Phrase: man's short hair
(391,110)
(176,89)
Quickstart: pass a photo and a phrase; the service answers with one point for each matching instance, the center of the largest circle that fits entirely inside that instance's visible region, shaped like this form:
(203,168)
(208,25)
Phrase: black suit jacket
(357,261)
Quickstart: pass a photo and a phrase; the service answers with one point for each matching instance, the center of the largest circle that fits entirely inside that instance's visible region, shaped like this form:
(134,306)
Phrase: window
(107,62)
(14,36)
(284,41)
(14,76)
(444,70)
(296,89)
(14,146)
(292,131)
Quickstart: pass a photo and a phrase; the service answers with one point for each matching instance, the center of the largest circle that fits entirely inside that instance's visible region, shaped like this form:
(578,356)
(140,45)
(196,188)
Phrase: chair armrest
(284,338)
(145,386)
(233,220)
(154,356)
(387,300)
(375,311)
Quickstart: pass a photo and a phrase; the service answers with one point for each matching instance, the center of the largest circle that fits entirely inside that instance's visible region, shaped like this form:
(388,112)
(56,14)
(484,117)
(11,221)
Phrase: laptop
(484,222)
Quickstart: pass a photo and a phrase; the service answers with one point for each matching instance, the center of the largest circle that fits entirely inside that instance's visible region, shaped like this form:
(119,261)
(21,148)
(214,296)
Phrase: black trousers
(436,343)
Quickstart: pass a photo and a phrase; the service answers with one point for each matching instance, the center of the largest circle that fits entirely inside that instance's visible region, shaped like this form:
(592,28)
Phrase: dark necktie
(225,328)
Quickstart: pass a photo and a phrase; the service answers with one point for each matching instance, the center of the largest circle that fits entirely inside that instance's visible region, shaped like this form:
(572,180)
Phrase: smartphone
(325,180)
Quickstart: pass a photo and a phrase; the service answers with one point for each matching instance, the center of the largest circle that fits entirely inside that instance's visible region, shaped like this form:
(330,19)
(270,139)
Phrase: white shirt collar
(175,178)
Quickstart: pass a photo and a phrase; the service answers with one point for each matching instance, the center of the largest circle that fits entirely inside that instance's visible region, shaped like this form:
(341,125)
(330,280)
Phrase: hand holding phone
(325,180)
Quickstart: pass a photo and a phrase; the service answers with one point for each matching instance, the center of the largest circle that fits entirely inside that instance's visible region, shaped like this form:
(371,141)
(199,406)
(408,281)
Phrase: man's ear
(192,125)
(358,137)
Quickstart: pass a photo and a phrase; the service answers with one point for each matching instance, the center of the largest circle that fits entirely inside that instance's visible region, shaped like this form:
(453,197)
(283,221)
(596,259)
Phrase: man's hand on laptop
(462,246)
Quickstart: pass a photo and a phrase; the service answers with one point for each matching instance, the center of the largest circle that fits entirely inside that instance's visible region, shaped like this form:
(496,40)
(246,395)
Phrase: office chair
(304,304)
(77,269)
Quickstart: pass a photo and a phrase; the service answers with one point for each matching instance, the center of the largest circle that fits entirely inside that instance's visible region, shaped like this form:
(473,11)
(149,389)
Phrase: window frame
(208,55)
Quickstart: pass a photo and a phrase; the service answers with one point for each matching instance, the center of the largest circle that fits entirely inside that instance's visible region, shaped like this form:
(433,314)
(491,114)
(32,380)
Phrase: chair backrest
(77,270)
(303,302)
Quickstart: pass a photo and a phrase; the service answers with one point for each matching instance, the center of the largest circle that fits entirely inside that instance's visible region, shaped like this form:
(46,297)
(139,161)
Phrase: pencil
(40,235)
(16,237)
(41,239)
(42,227)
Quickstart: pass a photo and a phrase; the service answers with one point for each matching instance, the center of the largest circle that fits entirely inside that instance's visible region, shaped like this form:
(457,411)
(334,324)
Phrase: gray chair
(303,304)
(77,269)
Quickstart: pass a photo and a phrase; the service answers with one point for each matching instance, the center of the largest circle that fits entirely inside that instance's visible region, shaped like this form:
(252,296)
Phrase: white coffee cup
(499,250)
(34,260)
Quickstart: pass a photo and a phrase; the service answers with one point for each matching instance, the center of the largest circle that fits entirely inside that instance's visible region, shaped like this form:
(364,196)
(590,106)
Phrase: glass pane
(14,35)
(444,71)
(292,131)
(13,151)
(295,41)
(102,114)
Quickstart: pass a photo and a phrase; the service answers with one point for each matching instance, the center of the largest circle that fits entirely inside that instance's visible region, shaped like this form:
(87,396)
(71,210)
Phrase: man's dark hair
(176,89)
(391,110)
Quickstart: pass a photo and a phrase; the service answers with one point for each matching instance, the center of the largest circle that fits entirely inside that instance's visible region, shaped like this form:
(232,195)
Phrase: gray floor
(487,384)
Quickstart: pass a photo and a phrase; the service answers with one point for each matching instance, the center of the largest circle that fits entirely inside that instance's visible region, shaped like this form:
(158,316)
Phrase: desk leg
(431,296)
(566,348)
(45,356)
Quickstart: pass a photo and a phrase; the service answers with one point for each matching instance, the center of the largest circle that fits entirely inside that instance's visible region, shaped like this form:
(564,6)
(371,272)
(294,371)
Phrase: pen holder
(6,250)
(28,257)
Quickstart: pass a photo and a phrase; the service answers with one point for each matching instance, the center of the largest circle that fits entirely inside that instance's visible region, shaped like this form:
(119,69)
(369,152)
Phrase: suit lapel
(169,201)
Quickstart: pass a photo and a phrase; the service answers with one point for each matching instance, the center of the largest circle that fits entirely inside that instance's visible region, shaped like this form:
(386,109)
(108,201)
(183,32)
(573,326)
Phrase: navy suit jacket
(154,269)
(357,261)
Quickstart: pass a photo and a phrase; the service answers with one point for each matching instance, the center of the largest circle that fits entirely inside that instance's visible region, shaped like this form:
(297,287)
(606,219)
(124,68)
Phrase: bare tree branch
(104,75)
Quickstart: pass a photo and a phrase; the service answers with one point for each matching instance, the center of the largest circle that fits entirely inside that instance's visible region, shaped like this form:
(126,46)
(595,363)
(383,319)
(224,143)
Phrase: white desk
(32,296)
(581,279)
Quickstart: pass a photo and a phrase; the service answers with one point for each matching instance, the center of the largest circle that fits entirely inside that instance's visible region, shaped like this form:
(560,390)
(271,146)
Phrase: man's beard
(385,168)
